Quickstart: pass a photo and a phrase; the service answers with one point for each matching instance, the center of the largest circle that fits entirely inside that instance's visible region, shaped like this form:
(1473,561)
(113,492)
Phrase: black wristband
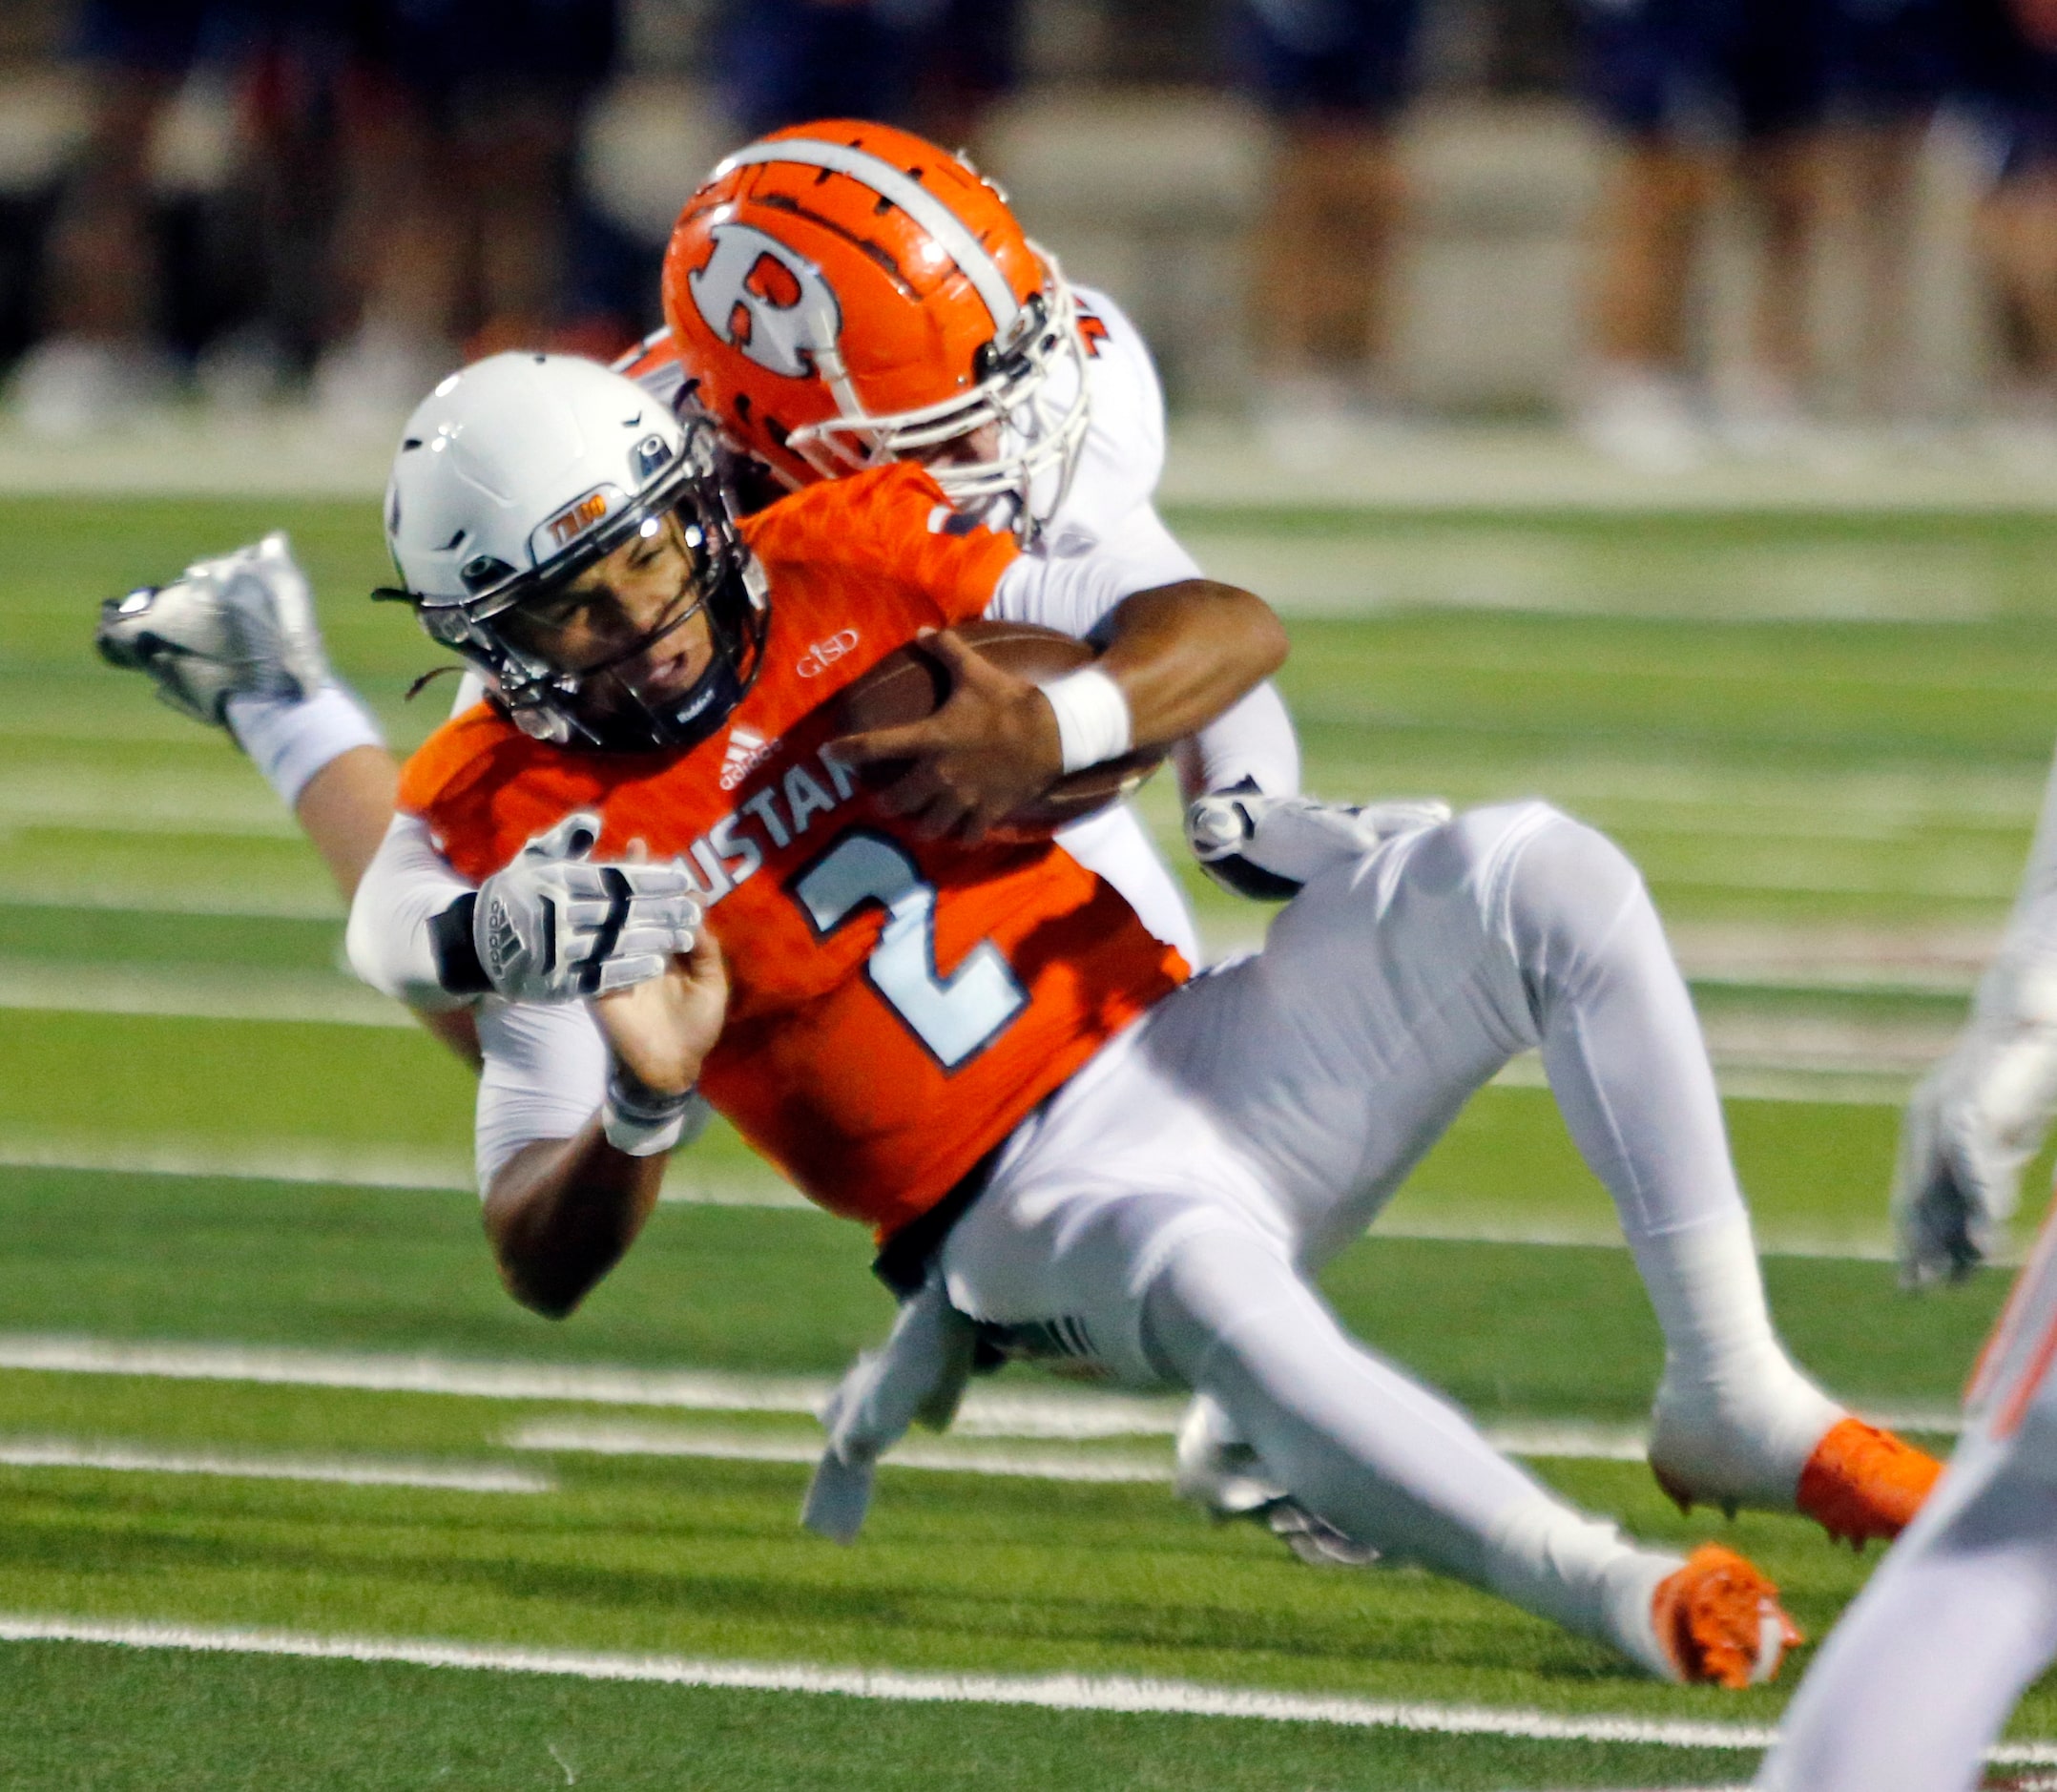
(458,968)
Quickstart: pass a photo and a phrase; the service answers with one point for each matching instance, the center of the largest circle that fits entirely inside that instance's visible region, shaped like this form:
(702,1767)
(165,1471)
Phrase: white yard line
(373,1166)
(348,1166)
(1023,1413)
(575,1437)
(65,1452)
(1057,1691)
(302,997)
(273,1160)
(1050,1414)
(1048,1693)
(234,902)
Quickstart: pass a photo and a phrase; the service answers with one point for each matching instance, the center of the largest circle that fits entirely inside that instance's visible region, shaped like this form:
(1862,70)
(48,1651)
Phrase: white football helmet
(522,470)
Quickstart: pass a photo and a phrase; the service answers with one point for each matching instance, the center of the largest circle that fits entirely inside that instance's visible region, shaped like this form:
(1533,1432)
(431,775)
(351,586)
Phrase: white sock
(289,740)
(1583,1575)
(1734,1417)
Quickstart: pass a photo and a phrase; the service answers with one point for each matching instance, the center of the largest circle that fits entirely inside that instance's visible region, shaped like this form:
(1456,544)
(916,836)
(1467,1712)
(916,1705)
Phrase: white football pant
(1161,1214)
(1914,1684)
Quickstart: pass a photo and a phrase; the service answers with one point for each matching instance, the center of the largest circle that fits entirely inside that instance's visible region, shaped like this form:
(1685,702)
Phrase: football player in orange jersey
(973,1044)
(1097,543)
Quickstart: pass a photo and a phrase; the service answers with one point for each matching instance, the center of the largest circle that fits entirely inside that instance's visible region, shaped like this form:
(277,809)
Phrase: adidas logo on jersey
(745,750)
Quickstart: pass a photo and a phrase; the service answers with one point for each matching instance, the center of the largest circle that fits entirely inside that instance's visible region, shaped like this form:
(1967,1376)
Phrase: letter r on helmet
(766,299)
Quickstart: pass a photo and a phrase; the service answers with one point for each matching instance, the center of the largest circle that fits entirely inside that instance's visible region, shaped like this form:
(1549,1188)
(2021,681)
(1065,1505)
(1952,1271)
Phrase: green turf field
(256,1374)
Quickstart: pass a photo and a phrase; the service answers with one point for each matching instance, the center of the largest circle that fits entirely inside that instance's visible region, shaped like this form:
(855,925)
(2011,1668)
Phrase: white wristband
(1093,718)
(639,1131)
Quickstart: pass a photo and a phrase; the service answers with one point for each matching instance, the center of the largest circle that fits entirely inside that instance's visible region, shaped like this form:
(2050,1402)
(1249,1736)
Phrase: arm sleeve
(545,1076)
(406,885)
(2022,983)
(1254,741)
(1074,591)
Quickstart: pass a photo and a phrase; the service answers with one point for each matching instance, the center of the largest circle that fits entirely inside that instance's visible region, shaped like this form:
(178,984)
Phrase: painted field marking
(1050,1693)
(673,1440)
(1050,1414)
(64,1452)
(1054,1414)
(1062,1692)
(280,904)
(307,998)
(380,1166)
(345,1165)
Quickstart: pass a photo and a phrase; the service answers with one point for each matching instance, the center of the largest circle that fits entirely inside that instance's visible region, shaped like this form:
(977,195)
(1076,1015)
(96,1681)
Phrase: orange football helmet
(845,293)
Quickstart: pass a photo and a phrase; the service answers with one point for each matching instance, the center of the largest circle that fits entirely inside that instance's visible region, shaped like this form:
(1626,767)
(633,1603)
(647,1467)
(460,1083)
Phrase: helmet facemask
(1030,392)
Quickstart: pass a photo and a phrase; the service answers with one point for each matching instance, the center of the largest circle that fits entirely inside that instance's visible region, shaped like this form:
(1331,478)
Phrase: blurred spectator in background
(2012,66)
(1691,90)
(933,66)
(404,195)
(461,123)
(1894,64)
(1333,75)
(102,350)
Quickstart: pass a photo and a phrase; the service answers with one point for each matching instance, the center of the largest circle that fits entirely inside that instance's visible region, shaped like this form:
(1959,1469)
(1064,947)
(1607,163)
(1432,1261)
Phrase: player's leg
(1641,70)
(1921,1672)
(1915,1682)
(1333,81)
(1189,1288)
(233,642)
(1393,988)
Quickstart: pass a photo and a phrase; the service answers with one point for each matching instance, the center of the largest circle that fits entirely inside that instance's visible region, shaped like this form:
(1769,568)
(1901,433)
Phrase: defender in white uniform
(1914,1684)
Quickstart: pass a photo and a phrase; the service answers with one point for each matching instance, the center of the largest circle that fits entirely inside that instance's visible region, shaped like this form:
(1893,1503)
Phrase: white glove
(1267,847)
(241,624)
(1974,1122)
(553,927)
(916,1377)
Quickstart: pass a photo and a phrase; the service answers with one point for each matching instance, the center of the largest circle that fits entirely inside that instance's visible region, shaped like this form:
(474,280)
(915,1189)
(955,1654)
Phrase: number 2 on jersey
(954,1018)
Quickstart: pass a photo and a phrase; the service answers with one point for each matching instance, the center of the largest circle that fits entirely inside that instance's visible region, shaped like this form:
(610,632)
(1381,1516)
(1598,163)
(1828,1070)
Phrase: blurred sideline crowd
(405,187)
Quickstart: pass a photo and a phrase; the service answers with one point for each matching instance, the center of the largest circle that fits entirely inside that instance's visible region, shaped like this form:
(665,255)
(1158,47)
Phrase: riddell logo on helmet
(744,753)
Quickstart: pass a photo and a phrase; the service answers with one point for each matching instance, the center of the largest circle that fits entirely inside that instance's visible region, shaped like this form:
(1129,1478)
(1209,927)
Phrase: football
(911,682)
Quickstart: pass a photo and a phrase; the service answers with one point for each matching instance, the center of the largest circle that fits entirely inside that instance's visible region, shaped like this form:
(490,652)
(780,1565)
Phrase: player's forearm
(1184,655)
(561,1213)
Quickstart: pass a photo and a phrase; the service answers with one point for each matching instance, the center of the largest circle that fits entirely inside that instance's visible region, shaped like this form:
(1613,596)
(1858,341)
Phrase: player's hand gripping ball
(915,684)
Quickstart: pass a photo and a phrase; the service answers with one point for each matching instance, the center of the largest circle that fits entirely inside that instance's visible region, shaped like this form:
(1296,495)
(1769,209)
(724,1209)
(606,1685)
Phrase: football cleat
(240,625)
(1719,1623)
(1222,1475)
(1862,1482)
(1315,1541)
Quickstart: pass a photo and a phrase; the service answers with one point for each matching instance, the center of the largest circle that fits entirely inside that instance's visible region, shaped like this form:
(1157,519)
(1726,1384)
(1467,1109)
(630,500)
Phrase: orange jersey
(896,1005)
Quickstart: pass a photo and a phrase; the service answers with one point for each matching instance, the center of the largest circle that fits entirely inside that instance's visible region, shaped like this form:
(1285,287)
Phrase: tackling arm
(1171,659)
